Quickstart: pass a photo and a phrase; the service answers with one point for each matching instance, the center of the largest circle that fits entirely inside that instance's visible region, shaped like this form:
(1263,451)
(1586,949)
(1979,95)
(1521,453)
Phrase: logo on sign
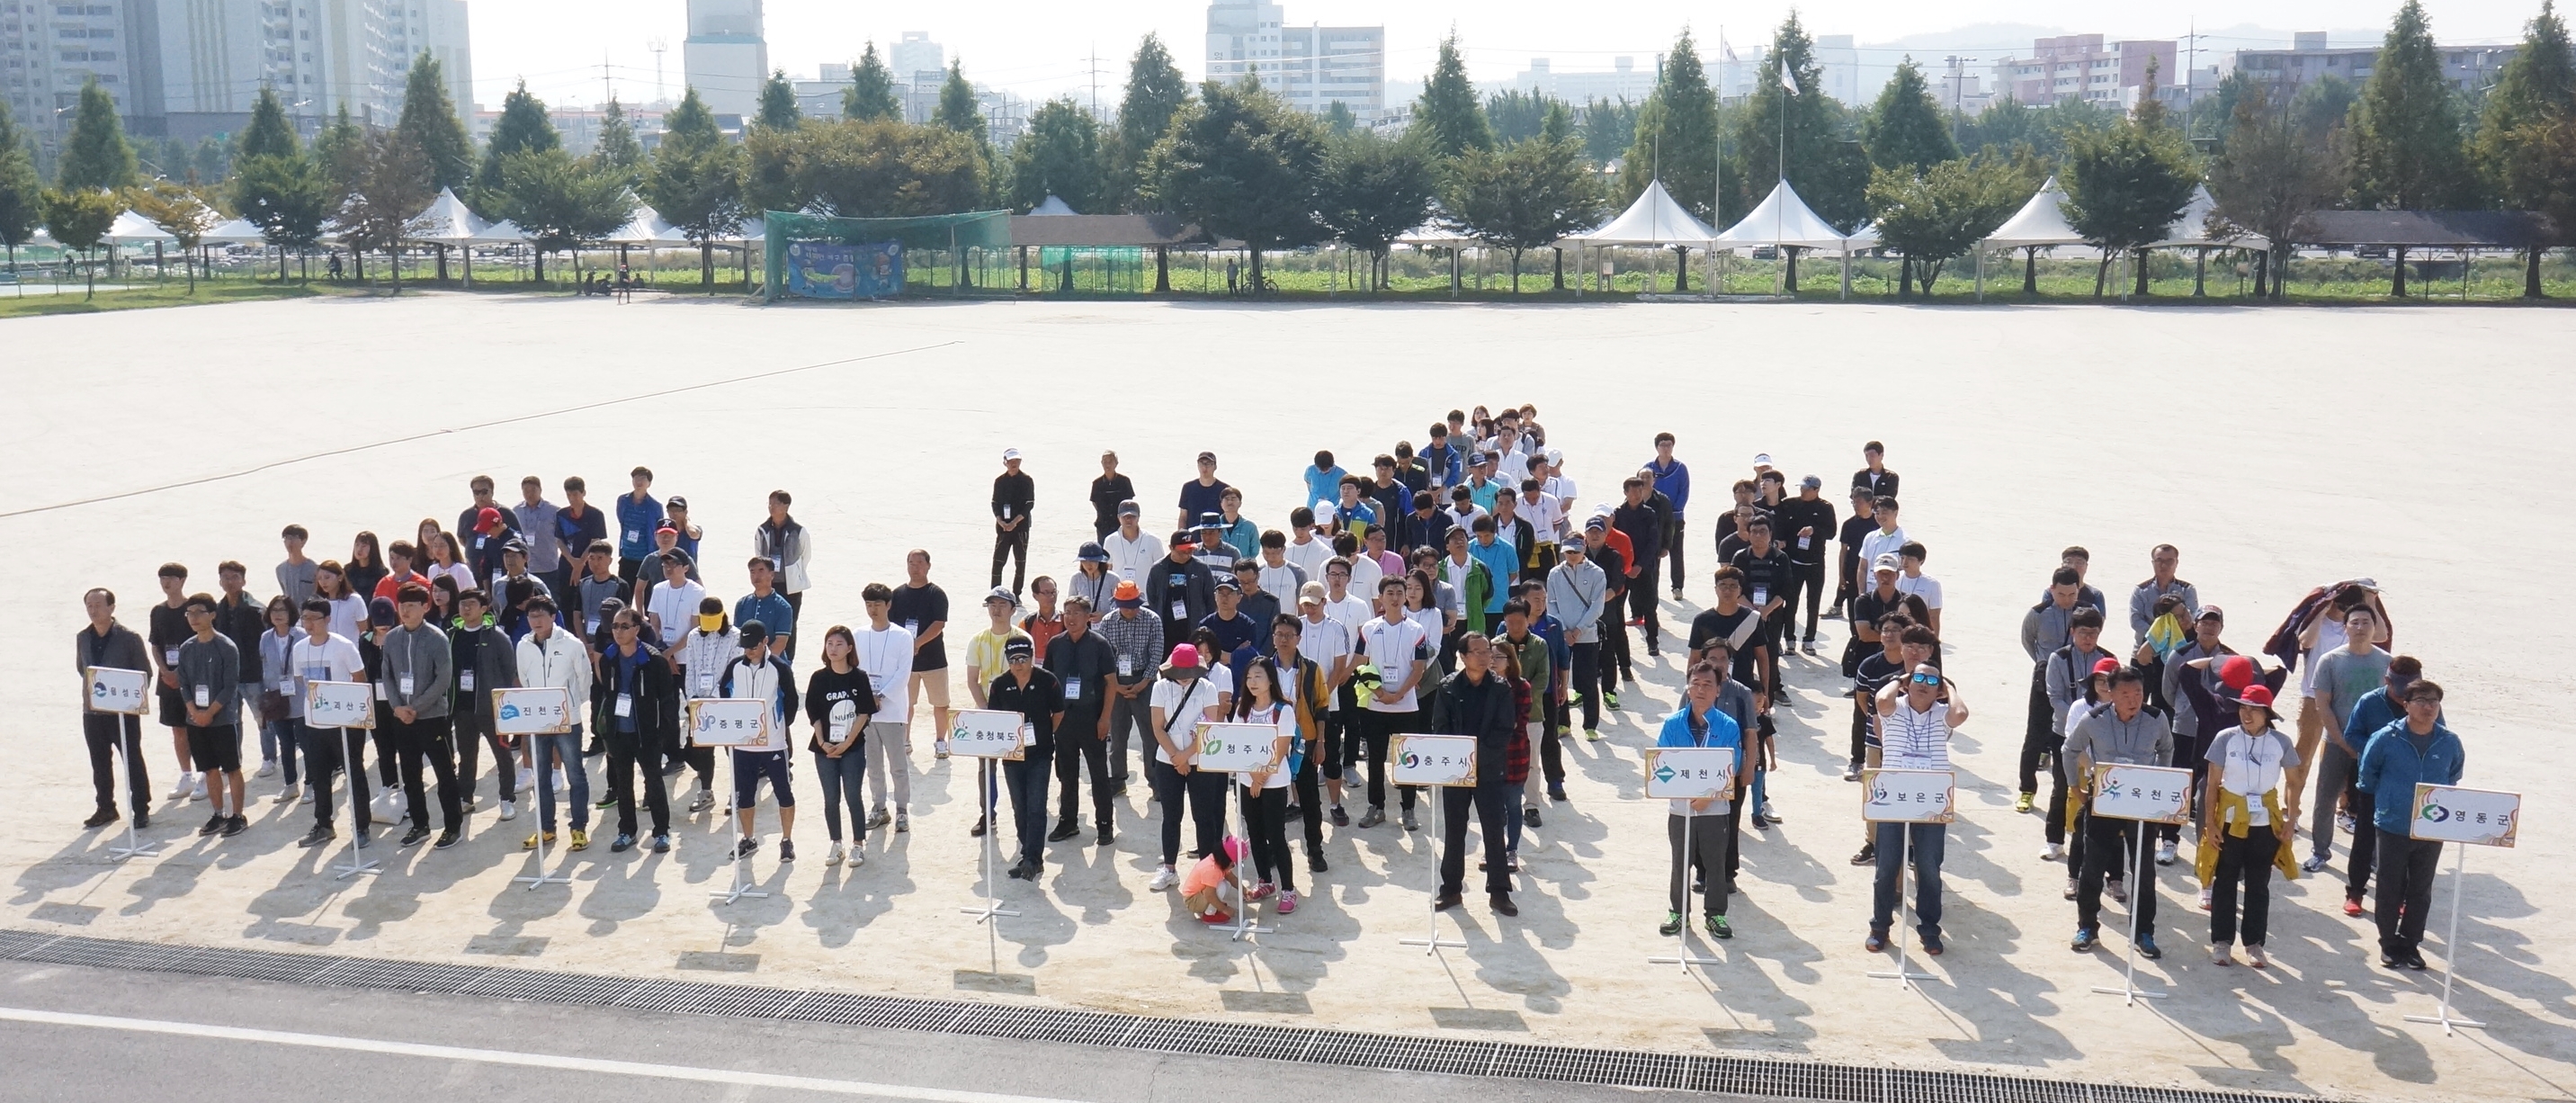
(509,712)
(2434,812)
(1665,773)
(1412,759)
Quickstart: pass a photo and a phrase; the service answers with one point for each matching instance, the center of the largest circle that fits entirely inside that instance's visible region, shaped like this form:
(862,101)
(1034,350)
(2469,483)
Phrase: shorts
(215,748)
(173,710)
(935,682)
(751,766)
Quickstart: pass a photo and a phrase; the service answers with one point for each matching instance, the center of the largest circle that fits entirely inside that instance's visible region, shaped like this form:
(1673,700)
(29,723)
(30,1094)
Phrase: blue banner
(830,270)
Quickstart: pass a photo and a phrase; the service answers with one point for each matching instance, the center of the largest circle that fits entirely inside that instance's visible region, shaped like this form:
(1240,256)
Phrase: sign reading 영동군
(2479,817)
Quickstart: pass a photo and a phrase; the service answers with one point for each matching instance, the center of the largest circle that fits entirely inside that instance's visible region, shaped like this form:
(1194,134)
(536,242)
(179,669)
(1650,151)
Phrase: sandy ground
(2279,449)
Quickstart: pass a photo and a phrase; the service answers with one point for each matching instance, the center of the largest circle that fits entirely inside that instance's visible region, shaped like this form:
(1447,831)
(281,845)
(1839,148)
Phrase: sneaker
(1932,944)
(1261,890)
(2119,890)
(2205,899)
(306,797)
(1444,901)
(1409,822)
(446,839)
(1106,836)
(1340,818)
(197,787)
(1592,735)
(858,858)
(100,818)
(580,839)
(1612,699)
(2315,863)
(2415,960)
(621,844)
(2148,949)
(1851,771)
(363,839)
(1875,943)
(2165,853)
(1216,918)
(1808,646)
(939,748)
(186,785)
(1530,816)
(1672,925)
(977,831)
(2221,954)
(558,780)
(2054,852)
(833,856)
(1373,817)
(509,810)
(1064,829)
(213,824)
(316,837)
(746,847)
(1717,927)
(2389,961)
(705,799)
(2084,940)
(2070,889)
(1163,879)
(1287,902)
(1315,863)
(2023,803)
(1502,904)
(1556,793)
(786,851)
(2351,907)
(661,844)
(878,818)
(286,795)
(2343,821)
(267,767)
(546,838)
(1771,812)
(903,822)
(1868,856)
(527,782)
(2255,957)
(235,826)
(415,835)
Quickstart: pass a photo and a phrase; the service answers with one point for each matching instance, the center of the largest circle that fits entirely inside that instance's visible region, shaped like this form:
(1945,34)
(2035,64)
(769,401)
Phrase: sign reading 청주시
(112,689)
(1237,748)
(2478,817)
(532,710)
(1690,773)
(2155,794)
(339,705)
(1908,796)
(989,733)
(1432,759)
(727,721)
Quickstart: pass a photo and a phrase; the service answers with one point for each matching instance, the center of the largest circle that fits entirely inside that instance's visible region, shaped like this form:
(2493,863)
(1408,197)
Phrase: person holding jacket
(1477,701)
(2406,753)
(484,660)
(757,675)
(632,675)
(550,657)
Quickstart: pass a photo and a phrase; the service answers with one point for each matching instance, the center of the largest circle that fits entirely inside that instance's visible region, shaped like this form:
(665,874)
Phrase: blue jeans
(277,744)
(1761,790)
(569,747)
(844,779)
(1929,841)
(1512,812)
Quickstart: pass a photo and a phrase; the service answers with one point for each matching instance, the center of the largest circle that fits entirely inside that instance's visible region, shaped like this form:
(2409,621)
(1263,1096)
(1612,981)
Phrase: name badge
(381,695)
(408,686)
(625,704)
(1073,689)
(1180,611)
(465,680)
(1761,595)
(205,697)
(170,656)
(1126,666)
(914,627)
(1802,542)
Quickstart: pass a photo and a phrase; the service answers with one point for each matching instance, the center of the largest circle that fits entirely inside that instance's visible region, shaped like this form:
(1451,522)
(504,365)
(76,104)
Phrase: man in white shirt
(1131,549)
(322,655)
(1889,536)
(1278,575)
(1400,651)
(1913,581)
(672,604)
(758,675)
(1324,642)
(885,652)
(1553,480)
(1916,714)
(1305,549)
(548,658)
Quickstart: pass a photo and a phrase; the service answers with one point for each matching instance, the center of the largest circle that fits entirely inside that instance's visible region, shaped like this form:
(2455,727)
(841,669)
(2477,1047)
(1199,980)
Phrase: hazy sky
(1040,47)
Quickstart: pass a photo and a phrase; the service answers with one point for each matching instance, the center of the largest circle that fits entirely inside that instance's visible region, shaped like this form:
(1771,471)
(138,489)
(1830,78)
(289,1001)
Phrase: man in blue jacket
(1702,826)
(2416,750)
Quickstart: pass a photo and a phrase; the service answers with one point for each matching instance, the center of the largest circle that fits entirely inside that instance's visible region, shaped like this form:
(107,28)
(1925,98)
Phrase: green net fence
(814,256)
(1094,269)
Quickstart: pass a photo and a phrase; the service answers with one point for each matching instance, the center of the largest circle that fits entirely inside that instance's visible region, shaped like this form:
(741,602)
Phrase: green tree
(78,218)
(1831,174)
(1524,196)
(286,195)
(1513,115)
(870,96)
(1372,190)
(429,119)
(1676,136)
(1451,120)
(1905,129)
(2514,146)
(957,109)
(2004,124)
(211,161)
(269,134)
(97,154)
(1941,211)
(778,109)
(394,184)
(769,180)
(181,212)
(1339,119)
(340,152)
(1060,155)
(1156,91)
(522,128)
(22,192)
(2324,104)
(887,170)
(1607,127)
(560,202)
(1244,165)
(618,151)
(2406,150)
(2271,173)
(2124,188)
(695,180)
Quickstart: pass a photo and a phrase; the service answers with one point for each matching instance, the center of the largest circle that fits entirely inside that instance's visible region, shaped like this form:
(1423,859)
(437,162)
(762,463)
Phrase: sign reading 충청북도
(2479,817)
(989,733)
(112,689)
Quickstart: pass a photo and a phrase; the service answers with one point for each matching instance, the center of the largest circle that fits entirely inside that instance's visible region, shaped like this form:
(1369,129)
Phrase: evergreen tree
(778,103)
(1829,173)
(1060,156)
(1607,127)
(1372,190)
(2324,105)
(2516,142)
(2124,188)
(1451,120)
(695,179)
(618,152)
(1557,125)
(429,120)
(870,97)
(560,202)
(1524,196)
(522,128)
(1514,115)
(97,154)
(337,153)
(957,109)
(1242,164)
(1156,91)
(22,192)
(269,134)
(886,169)
(1676,136)
(1338,118)
(2270,173)
(1905,129)
(287,195)
(2406,128)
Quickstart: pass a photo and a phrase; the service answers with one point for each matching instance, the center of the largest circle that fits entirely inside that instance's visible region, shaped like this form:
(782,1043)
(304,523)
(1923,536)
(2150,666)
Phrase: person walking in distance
(921,607)
(1672,479)
(789,548)
(1108,491)
(886,653)
(1014,494)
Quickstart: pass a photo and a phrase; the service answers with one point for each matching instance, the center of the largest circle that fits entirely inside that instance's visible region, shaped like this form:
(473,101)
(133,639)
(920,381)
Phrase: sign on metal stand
(1240,751)
(1687,774)
(2469,817)
(118,694)
(990,737)
(732,722)
(535,710)
(1906,798)
(1438,762)
(2147,794)
(346,707)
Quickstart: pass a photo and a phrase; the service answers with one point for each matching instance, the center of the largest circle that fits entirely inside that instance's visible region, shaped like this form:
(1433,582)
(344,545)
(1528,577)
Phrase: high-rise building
(1312,67)
(2467,68)
(1838,68)
(49,50)
(1624,81)
(725,56)
(915,54)
(2084,67)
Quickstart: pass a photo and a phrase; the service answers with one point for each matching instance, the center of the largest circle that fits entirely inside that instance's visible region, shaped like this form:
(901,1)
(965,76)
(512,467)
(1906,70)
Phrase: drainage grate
(1748,1076)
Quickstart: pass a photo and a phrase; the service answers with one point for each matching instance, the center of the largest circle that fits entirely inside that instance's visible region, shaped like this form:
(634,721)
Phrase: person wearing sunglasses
(1916,715)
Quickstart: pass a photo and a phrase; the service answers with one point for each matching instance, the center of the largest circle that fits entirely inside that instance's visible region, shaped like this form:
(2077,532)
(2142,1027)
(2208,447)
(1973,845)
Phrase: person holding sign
(1478,702)
(839,698)
(1086,666)
(2127,733)
(1265,792)
(209,670)
(2417,750)
(107,644)
(1701,826)
(327,656)
(548,657)
(1183,698)
(1039,699)
(1916,715)
(2242,833)
(758,675)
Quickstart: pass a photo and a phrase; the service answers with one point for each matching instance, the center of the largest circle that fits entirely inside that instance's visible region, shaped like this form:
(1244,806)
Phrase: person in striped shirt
(1916,715)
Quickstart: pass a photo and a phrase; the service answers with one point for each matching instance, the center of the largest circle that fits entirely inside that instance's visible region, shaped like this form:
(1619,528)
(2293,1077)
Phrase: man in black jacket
(1084,666)
(1476,701)
(1180,589)
(109,644)
(1644,525)
(1014,494)
(1804,527)
(632,679)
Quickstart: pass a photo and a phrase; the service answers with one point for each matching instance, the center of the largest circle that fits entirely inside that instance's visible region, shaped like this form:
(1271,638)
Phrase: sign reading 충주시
(1237,748)
(339,705)
(988,733)
(727,721)
(2155,794)
(112,689)
(532,710)
(1432,759)
(1908,796)
(2478,817)
(1690,773)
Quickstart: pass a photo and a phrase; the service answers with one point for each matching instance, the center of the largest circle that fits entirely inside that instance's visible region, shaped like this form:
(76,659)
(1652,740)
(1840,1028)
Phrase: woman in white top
(1183,697)
(1421,608)
(1265,793)
(446,560)
(703,651)
(2247,765)
(348,609)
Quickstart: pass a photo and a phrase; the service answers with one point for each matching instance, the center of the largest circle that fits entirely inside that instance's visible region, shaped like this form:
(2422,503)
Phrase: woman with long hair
(838,701)
(277,704)
(366,563)
(442,557)
(331,583)
(1265,793)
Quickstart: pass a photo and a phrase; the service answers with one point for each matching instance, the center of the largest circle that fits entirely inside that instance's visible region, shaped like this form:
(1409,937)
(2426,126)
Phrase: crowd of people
(1467,588)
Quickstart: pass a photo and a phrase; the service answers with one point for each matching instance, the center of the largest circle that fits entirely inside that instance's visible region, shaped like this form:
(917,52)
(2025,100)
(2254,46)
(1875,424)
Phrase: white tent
(446,221)
(1654,219)
(643,227)
(1784,219)
(2191,229)
(1864,238)
(239,231)
(504,232)
(2040,222)
(1432,235)
(134,229)
(1053,205)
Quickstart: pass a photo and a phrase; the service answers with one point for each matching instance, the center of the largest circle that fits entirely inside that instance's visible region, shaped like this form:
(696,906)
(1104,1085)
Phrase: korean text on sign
(1908,796)
(1690,773)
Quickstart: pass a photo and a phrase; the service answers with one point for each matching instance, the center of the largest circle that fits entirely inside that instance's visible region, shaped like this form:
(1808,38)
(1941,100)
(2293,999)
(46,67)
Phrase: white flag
(1788,81)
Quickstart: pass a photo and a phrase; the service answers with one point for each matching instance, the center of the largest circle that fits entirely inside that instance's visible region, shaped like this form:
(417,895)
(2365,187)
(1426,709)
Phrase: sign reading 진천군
(532,710)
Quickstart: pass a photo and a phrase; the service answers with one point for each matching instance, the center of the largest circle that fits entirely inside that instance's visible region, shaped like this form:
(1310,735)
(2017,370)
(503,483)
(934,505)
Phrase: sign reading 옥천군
(122,691)
(1908,796)
(2155,794)
(1432,759)
(1237,748)
(1690,773)
(2479,817)
(989,733)
(532,710)
(339,705)
(727,721)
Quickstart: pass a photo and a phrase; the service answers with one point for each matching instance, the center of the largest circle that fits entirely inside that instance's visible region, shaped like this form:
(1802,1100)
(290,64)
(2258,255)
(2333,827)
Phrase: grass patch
(146,298)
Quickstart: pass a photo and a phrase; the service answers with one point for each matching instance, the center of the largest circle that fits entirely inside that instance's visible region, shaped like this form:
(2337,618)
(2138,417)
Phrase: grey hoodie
(421,654)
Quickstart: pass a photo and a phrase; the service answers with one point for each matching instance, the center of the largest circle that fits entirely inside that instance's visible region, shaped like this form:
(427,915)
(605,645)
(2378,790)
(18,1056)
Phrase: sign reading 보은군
(1433,759)
(532,710)
(989,733)
(339,705)
(1908,796)
(115,690)
(1690,773)
(2479,817)
(1237,748)
(2156,794)
(727,721)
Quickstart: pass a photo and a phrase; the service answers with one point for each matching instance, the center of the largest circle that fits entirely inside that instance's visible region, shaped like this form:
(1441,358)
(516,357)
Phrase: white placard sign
(1432,759)
(339,705)
(727,721)
(532,710)
(989,733)
(1237,748)
(2479,817)
(112,689)
(1690,773)
(1908,796)
(2156,794)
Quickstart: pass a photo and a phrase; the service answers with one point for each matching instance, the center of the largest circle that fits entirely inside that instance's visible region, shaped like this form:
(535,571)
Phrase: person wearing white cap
(1014,494)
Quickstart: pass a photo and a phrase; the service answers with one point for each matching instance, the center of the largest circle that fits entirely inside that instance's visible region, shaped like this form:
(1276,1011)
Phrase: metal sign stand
(2451,954)
(1243,925)
(1431,942)
(126,750)
(541,877)
(350,765)
(992,901)
(1904,932)
(1690,857)
(741,889)
(2128,989)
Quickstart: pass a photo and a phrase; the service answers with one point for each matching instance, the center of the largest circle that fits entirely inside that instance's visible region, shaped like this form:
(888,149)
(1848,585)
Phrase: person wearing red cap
(1182,699)
(2239,846)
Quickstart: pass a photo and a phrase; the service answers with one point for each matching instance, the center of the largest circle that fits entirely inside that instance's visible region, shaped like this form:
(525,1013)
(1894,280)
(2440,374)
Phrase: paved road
(74,1033)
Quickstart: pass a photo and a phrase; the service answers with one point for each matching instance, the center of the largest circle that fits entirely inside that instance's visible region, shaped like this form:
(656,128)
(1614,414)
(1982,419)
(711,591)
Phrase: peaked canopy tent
(1784,221)
(1432,235)
(1654,219)
(2190,230)
(448,221)
(2039,224)
(1053,205)
(239,231)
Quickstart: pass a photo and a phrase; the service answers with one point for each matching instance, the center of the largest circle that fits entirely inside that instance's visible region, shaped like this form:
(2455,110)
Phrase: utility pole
(607,91)
(657,44)
(1095,81)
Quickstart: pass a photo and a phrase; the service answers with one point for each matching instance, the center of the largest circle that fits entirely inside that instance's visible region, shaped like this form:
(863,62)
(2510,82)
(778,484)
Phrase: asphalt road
(74,1033)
